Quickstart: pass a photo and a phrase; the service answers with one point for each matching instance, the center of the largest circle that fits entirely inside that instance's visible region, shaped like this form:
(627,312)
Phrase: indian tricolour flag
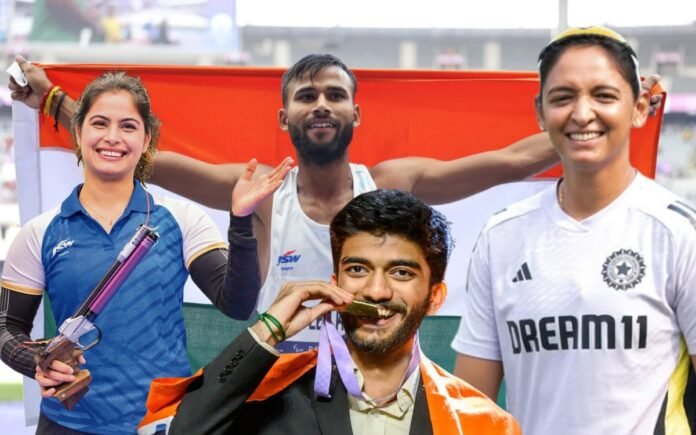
(230,115)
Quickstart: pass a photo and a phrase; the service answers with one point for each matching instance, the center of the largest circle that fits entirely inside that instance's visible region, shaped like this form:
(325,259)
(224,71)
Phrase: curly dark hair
(394,212)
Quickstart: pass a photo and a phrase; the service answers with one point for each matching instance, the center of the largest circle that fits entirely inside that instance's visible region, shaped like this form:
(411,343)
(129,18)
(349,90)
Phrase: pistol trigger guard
(93,343)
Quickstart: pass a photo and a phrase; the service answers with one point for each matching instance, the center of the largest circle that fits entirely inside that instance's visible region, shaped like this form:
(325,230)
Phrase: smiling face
(320,115)
(112,137)
(391,271)
(588,109)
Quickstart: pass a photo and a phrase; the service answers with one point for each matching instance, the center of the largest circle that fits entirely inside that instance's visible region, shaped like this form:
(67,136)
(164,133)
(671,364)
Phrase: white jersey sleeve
(478,334)
(23,270)
(200,235)
(685,282)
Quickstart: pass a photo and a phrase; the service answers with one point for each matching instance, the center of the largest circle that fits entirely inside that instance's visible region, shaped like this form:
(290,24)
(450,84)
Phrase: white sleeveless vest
(300,249)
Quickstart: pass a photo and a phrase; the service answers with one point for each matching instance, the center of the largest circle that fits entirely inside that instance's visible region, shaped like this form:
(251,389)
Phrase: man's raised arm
(439,182)
(214,401)
(205,183)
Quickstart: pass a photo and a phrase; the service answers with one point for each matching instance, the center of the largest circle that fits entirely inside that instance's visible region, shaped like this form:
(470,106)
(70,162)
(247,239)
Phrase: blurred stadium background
(387,34)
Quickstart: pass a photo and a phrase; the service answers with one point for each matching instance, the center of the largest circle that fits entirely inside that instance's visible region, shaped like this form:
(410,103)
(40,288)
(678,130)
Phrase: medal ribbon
(332,343)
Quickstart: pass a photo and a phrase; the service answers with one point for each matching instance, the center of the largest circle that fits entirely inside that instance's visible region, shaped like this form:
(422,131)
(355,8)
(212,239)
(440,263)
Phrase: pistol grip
(68,393)
(71,393)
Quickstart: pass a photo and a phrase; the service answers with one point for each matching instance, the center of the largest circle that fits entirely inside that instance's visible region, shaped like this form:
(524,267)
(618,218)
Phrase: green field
(10,392)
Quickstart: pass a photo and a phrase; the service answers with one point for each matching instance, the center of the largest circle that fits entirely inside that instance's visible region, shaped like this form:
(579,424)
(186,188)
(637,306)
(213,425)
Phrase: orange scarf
(455,406)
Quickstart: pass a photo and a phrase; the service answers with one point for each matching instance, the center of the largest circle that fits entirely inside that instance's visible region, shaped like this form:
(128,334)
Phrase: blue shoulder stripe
(687,206)
(685,210)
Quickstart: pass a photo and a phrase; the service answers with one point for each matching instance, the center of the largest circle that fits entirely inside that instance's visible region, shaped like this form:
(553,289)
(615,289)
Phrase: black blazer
(215,402)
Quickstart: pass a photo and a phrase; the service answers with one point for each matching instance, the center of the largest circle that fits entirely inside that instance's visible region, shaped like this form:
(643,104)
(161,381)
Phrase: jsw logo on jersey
(288,258)
(63,244)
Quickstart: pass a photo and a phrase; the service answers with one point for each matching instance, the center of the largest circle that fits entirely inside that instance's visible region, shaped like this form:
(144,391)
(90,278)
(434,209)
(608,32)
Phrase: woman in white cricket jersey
(584,295)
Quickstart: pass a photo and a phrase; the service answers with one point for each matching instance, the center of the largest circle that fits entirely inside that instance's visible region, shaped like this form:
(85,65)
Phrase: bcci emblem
(623,270)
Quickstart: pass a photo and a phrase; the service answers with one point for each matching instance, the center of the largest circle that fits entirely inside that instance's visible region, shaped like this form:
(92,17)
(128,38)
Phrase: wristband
(57,113)
(48,99)
(268,317)
(265,322)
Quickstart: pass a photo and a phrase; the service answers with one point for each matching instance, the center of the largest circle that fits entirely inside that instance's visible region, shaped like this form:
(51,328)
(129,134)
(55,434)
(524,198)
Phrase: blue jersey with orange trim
(64,253)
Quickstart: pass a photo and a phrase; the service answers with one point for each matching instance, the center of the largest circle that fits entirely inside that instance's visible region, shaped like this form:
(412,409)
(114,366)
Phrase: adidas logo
(523,274)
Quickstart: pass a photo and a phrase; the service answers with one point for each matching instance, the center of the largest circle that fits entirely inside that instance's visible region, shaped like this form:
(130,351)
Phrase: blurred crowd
(9,211)
(87,21)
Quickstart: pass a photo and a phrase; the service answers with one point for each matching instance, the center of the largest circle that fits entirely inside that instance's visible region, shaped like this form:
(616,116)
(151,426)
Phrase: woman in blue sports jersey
(64,252)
